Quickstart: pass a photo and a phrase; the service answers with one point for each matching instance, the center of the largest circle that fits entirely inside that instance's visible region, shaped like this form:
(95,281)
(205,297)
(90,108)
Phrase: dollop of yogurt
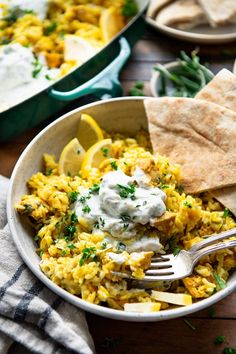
(39,7)
(21,74)
(120,203)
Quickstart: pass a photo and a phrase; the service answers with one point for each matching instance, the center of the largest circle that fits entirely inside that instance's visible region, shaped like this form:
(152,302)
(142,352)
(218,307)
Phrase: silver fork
(170,267)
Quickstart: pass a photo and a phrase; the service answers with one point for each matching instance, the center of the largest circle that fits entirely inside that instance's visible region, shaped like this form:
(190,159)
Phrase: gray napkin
(31,314)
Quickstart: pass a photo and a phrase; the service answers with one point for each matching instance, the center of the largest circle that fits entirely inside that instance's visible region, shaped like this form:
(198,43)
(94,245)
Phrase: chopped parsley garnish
(219,340)
(120,247)
(180,188)
(73,218)
(176,250)
(164,186)
(41,253)
(48,77)
(137,89)
(226,213)
(15,13)
(125,226)
(130,8)
(125,217)
(88,253)
(70,231)
(94,189)
(78,152)
(28,208)
(96,225)
(188,204)
(73,196)
(86,209)
(104,151)
(37,68)
(48,172)
(82,199)
(102,221)
(229,351)
(104,245)
(71,246)
(51,28)
(126,191)
(114,165)
(36,238)
(220,282)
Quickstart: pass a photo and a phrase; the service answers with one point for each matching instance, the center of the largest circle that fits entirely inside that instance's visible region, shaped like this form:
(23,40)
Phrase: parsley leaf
(94,189)
(229,351)
(104,151)
(219,340)
(114,165)
(188,204)
(130,8)
(220,282)
(226,213)
(126,191)
(51,28)
(88,253)
(86,209)
(37,68)
(73,196)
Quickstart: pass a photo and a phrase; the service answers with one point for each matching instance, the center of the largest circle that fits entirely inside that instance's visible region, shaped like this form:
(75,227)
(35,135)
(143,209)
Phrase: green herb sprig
(187,79)
(130,8)
(88,253)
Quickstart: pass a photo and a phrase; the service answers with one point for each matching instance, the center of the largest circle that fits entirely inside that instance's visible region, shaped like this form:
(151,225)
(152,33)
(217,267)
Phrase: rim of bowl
(73,299)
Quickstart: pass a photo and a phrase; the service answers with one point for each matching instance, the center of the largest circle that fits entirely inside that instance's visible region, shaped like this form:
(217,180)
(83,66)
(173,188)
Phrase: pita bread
(221,90)
(182,14)
(227,197)
(155,6)
(219,12)
(198,135)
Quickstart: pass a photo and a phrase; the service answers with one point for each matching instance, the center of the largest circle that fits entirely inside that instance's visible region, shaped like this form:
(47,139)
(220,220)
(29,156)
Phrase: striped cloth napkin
(30,314)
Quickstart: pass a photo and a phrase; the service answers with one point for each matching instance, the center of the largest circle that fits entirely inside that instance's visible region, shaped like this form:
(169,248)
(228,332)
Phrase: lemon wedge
(95,156)
(111,22)
(71,158)
(78,49)
(172,298)
(89,132)
(143,307)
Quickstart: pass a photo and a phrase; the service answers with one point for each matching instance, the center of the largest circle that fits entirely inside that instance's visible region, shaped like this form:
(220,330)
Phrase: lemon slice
(111,22)
(89,132)
(95,156)
(71,158)
(78,49)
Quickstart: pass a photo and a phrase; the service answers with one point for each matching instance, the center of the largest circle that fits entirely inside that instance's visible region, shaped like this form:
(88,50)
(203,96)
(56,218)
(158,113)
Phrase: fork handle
(196,255)
(212,239)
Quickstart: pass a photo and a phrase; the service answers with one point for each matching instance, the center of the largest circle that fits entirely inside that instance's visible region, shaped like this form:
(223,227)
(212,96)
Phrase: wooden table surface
(174,336)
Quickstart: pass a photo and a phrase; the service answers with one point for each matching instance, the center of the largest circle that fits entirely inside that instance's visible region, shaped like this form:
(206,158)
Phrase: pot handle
(105,84)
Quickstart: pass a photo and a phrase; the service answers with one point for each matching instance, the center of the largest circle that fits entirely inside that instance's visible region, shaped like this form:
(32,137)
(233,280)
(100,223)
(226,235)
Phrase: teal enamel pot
(97,77)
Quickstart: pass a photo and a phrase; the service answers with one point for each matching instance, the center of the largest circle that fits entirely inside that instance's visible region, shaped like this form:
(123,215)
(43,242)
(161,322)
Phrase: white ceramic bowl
(111,115)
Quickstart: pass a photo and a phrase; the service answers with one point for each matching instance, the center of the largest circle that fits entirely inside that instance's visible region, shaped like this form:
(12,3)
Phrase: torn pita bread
(155,6)
(221,90)
(198,135)
(227,197)
(219,12)
(182,14)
